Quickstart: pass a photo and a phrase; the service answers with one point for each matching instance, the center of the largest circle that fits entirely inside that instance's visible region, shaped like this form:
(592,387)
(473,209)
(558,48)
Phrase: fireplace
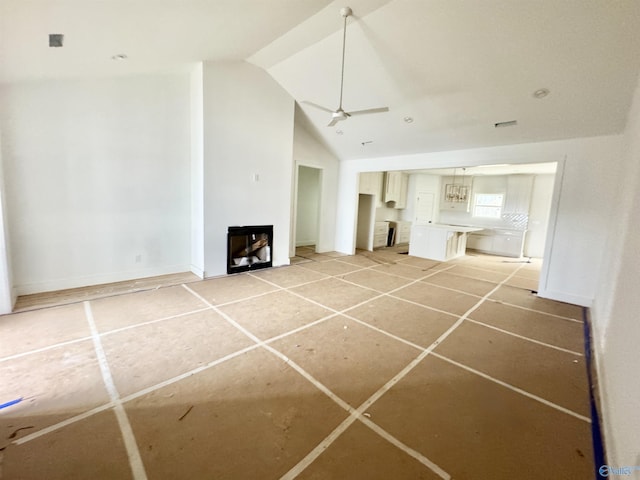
(249,248)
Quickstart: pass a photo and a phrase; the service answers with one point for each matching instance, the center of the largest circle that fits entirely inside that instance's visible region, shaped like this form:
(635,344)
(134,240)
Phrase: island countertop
(437,241)
(453,228)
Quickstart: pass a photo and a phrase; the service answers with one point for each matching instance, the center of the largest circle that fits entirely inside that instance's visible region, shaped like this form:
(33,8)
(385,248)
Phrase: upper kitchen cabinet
(395,188)
(404,186)
(518,196)
(371,183)
(392,186)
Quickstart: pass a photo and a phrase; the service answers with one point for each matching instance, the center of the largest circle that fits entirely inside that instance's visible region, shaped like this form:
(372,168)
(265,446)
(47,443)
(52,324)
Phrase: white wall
(308,205)
(197,170)
(583,202)
(97,179)
(7,292)
(309,152)
(615,322)
(248,131)
(541,196)
(579,214)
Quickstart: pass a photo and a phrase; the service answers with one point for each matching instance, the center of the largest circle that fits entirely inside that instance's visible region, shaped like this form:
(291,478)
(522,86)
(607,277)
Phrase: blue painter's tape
(12,402)
(596,433)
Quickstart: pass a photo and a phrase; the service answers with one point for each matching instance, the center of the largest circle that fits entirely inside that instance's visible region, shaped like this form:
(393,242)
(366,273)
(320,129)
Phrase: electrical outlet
(138,258)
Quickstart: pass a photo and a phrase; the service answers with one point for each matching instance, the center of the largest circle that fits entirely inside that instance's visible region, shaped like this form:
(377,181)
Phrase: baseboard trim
(566,298)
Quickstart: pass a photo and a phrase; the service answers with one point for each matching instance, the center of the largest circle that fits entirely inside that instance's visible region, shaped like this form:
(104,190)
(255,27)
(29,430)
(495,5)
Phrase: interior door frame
(294,204)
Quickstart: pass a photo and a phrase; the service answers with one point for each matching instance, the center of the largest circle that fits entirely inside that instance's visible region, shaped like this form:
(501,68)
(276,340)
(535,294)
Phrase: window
(488,205)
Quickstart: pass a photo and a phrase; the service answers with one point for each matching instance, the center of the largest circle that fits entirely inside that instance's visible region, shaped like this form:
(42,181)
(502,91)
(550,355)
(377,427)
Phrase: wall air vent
(56,39)
(510,123)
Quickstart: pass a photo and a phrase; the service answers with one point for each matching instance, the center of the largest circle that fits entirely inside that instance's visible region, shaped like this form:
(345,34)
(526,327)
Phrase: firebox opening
(249,248)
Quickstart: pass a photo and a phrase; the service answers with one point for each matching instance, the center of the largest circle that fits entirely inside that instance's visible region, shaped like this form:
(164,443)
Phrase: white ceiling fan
(339,114)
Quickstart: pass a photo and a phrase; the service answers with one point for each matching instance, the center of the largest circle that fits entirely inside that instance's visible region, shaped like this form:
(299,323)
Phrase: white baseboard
(197,271)
(88,280)
(566,298)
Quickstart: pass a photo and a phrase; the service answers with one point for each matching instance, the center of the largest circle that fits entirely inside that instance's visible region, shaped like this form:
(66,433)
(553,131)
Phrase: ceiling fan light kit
(339,114)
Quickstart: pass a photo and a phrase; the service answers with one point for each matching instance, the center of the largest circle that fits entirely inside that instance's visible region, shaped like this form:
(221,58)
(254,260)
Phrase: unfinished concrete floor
(372,366)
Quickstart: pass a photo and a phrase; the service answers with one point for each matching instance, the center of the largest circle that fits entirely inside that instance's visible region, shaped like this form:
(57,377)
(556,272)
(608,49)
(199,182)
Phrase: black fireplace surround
(249,248)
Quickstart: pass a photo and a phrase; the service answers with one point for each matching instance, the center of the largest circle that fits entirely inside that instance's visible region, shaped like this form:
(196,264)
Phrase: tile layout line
(108,332)
(379,293)
(544,344)
(137,394)
(514,388)
(316,452)
(135,461)
(457,290)
(44,349)
(218,361)
(163,384)
(561,317)
(354,414)
(63,423)
(377,264)
(477,372)
(151,322)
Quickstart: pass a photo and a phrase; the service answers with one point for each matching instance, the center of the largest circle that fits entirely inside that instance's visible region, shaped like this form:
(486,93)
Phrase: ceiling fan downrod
(345,12)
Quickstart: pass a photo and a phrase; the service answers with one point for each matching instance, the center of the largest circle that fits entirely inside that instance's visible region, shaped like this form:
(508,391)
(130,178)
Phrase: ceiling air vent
(56,39)
(510,123)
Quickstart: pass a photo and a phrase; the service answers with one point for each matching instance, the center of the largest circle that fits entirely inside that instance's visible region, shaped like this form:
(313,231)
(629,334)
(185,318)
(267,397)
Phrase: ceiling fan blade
(369,110)
(335,120)
(315,105)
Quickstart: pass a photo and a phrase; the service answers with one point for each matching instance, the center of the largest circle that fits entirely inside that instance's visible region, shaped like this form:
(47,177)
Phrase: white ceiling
(455,66)
(498,169)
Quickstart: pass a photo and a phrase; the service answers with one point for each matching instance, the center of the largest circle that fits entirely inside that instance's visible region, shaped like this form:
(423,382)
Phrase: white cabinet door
(480,242)
(371,183)
(404,185)
(380,234)
(518,194)
(393,186)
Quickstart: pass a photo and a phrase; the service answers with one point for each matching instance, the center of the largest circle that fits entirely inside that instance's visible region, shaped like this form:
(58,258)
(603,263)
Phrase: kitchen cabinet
(402,231)
(395,189)
(480,242)
(392,186)
(509,243)
(439,242)
(518,194)
(380,234)
(404,185)
(371,183)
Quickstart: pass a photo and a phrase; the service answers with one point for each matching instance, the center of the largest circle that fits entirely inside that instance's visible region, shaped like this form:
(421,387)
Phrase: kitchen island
(440,242)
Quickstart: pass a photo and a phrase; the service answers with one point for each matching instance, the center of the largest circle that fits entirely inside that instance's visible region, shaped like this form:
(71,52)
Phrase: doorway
(308,202)
(365,221)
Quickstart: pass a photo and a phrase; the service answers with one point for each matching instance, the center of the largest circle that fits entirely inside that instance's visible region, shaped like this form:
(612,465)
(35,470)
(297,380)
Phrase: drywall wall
(97,179)
(309,152)
(541,196)
(615,325)
(308,205)
(248,154)
(197,169)
(581,210)
(7,292)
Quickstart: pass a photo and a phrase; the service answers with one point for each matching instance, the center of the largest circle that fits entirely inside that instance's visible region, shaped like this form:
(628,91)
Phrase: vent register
(56,40)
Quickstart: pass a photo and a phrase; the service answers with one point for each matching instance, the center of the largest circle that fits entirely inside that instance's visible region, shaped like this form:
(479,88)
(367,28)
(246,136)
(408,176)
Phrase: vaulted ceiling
(455,67)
